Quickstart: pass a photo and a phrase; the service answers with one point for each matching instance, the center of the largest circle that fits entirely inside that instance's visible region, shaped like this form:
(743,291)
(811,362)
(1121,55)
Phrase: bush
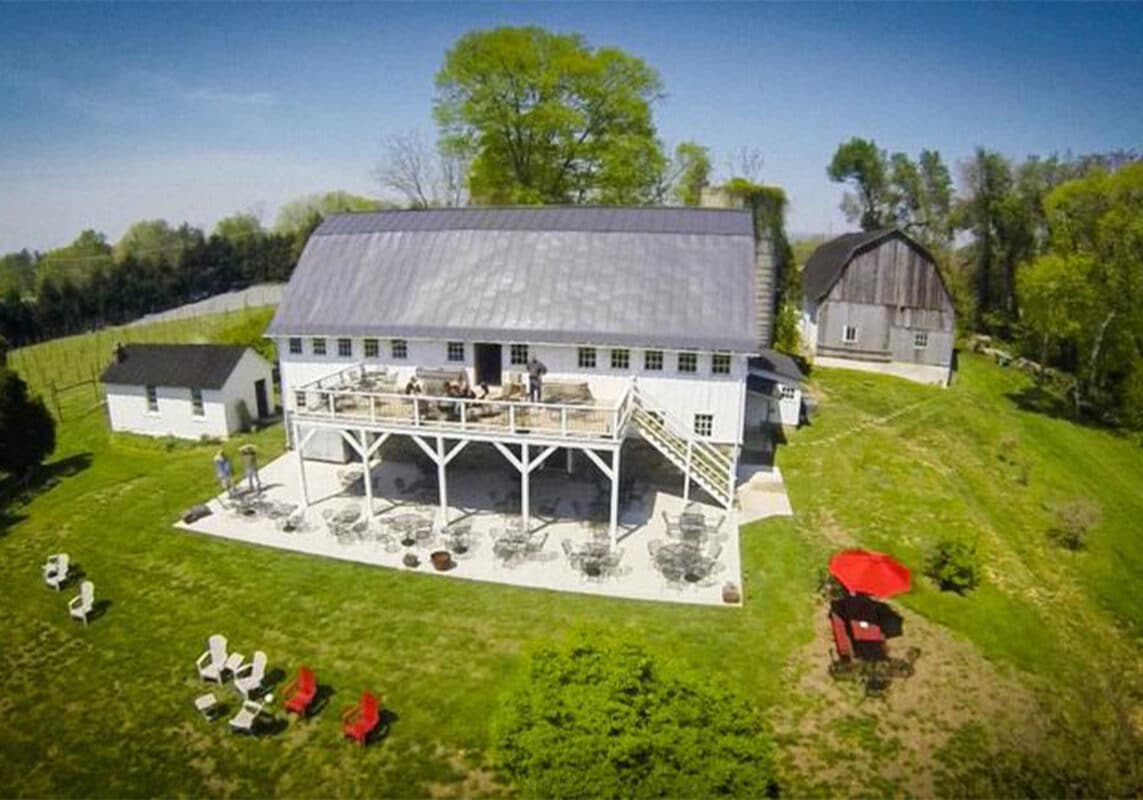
(953,565)
(1073,520)
(607,720)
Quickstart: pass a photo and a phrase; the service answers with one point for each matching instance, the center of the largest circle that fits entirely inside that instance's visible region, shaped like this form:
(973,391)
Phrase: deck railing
(330,399)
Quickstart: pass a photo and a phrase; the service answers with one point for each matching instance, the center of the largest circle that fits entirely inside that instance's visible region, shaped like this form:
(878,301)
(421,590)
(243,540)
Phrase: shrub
(1073,520)
(953,565)
(607,720)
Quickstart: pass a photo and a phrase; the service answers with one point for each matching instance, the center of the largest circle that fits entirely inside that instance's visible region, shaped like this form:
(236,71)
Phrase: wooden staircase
(709,467)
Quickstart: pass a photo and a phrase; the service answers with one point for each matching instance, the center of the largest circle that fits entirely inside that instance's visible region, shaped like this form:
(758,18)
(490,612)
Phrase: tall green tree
(239,228)
(546,118)
(303,214)
(862,165)
(76,261)
(27,430)
(693,170)
(154,240)
(17,272)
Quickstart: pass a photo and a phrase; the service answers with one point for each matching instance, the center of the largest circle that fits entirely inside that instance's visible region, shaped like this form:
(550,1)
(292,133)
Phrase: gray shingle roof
(194,366)
(826,264)
(665,277)
(779,364)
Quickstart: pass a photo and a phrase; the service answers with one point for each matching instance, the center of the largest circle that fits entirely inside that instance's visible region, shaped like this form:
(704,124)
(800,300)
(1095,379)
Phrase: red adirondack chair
(301,692)
(841,637)
(362,719)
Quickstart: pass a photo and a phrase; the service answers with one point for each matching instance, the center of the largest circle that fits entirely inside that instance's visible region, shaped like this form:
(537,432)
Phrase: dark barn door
(261,399)
(488,363)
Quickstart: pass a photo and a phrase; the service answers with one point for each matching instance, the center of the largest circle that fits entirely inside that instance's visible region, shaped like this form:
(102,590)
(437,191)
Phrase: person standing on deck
(536,372)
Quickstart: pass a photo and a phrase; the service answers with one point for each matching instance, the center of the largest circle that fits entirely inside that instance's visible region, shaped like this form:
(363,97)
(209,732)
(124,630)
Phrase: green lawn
(107,710)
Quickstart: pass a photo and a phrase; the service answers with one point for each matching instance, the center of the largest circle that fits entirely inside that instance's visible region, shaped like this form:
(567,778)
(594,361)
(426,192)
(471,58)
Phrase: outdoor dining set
(691,551)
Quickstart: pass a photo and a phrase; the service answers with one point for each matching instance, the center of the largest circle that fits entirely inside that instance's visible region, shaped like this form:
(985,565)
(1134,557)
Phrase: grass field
(107,710)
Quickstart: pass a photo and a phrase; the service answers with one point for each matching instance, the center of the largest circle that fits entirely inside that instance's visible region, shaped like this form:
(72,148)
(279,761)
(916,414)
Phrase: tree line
(91,283)
(1046,253)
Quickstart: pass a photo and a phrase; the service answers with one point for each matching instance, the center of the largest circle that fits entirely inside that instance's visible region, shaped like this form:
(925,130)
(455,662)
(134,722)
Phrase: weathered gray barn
(875,300)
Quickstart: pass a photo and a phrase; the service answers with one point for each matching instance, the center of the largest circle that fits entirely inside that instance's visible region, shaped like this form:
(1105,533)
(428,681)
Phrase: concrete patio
(486,495)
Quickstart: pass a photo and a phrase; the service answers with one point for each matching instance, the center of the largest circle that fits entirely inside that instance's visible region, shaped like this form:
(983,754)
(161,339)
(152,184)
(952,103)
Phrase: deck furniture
(207,705)
(212,664)
(864,631)
(55,570)
(81,606)
(248,677)
(247,717)
(841,642)
(359,721)
(301,692)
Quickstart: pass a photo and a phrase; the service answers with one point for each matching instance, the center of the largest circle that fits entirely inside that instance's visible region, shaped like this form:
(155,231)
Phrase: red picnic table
(866,631)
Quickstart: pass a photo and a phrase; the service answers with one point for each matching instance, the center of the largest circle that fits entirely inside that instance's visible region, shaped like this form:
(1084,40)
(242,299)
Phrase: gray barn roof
(666,277)
(825,265)
(194,366)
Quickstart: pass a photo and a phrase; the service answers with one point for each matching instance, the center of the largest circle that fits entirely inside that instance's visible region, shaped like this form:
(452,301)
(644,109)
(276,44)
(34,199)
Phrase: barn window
(518,354)
(704,424)
(345,348)
(152,398)
(196,403)
(788,392)
(586,358)
(319,347)
(621,359)
(399,348)
(849,334)
(688,362)
(921,340)
(456,351)
(720,364)
(371,348)
(295,345)
(653,360)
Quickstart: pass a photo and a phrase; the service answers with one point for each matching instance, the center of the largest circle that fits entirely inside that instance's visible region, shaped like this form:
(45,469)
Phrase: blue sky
(114,112)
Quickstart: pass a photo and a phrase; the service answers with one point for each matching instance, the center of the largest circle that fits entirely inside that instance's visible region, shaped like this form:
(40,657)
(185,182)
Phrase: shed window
(704,424)
(319,347)
(345,348)
(720,364)
(299,400)
(456,351)
(849,334)
(295,345)
(621,359)
(518,354)
(371,349)
(921,340)
(653,360)
(196,403)
(399,348)
(587,358)
(688,362)
(152,398)
(788,392)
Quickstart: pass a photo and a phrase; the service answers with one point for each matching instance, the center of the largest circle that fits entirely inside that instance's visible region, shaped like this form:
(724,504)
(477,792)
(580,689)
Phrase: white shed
(773,391)
(187,390)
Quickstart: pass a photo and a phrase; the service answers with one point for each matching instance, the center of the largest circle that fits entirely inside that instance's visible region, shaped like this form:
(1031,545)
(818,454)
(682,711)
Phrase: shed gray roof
(776,363)
(825,265)
(664,277)
(195,366)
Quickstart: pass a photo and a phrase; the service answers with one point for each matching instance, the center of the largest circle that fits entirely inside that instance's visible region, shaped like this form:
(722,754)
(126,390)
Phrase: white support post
(441,480)
(300,443)
(525,479)
(614,496)
(687,472)
(367,474)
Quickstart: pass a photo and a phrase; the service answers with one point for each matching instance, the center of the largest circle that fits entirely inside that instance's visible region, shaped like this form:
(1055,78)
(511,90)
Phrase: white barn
(189,391)
(645,319)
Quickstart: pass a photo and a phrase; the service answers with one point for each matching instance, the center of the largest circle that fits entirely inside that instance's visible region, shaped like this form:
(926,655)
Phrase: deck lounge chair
(212,663)
(359,721)
(82,605)
(248,678)
(56,569)
(247,717)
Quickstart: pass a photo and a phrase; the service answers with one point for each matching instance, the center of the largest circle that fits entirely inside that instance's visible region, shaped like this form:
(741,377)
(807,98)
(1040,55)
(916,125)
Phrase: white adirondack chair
(55,570)
(246,717)
(212,663)
(248,677)
(80,606)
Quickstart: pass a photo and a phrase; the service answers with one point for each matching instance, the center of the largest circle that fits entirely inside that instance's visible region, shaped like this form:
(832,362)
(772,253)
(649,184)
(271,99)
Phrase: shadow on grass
(99,610)
(1037,400)
(43,479)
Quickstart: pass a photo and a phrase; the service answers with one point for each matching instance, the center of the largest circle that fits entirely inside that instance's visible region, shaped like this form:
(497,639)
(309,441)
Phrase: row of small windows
(518,355)
(920,338)
(196,401)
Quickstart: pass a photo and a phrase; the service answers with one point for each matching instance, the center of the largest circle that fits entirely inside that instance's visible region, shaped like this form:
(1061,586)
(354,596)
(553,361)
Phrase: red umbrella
(872,573)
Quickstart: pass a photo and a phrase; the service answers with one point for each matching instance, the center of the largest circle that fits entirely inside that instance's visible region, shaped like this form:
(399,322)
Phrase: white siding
(681,394)
(240,387)
(127,407)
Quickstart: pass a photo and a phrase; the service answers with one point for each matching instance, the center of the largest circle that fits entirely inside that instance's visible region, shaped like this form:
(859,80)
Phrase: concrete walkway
(486,498)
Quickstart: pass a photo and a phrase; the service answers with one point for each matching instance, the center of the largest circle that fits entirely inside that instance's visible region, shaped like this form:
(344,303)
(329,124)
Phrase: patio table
(680,560)
(412,527)
(866,631)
